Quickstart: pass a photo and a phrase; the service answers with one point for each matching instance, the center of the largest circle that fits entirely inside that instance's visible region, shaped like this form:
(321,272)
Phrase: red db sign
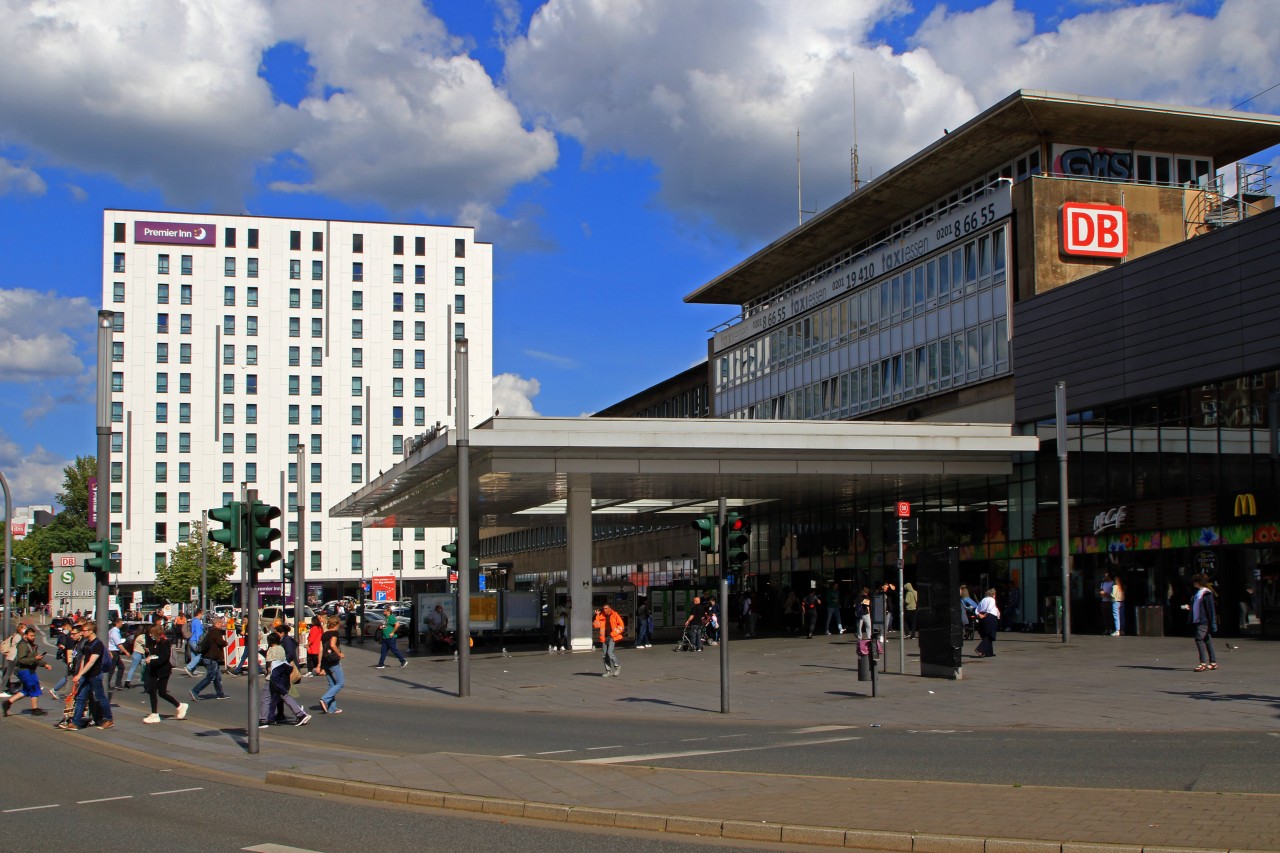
(1095,230)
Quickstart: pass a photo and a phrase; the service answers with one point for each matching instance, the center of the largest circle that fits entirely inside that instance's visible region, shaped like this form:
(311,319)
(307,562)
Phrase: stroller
(970,622)
(692,639)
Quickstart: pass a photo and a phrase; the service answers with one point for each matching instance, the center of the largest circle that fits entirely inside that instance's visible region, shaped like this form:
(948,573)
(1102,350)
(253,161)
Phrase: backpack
(202,647)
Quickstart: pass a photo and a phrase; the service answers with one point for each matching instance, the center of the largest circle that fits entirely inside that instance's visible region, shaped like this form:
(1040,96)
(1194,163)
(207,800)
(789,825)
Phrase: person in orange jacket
(608,622)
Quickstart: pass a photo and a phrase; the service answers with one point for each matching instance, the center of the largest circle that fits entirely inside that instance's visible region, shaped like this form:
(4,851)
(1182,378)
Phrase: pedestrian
(88,681)
(1204,618)
(833,607)
(27,660)
(608,623)
(314,633)
(331,666)
(562,627)
(810,609)
(988,625)
(159,666)
(280,675)
(68,644)
(713,622)
(115,659)
(693,625)
(212,654)
(792,613)
(910,600)
(644,625)
(862,612)
(1117,606)
(9,651)
(1104,596)
(135,647)
(748,615)
(196,627)
(350,623)
(390,642)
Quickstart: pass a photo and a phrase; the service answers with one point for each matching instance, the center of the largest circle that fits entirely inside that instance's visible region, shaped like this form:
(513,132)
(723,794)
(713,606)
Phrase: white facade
(240,339)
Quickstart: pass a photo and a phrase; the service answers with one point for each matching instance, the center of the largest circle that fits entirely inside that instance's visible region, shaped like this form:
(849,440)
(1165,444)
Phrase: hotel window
(117,350)
(228,353)
(162,501)
(117,322)
(317,298)
(295,269)
(161,527)
(184,324)
(186,265)
(317,270)
(459,276)
(397,445)
(460,304)
(397,387)
(317,327)
(294,385)
(397,273)
(228,324)
(315,531)
(162,413)
(117,442)
(162,353)
(228,413)
(184,472)
(357,445)
(229,267)
(162,383)
(184,353)
(184,294)
(317,386)
(317,446)
(357,329)
(420,359)
(459,248)
(397,245)
(459,330)
(295,356)
(357,473)
(228,443)
(293,414)
(419,387)
(317,356)
(419,560)
(419,416)
(317,473)
(419,303)
(419,246)
(228,383)
(397,415)
(419,331)
(253,238)
(118,265)
(184,442)
(357,415)
(357,271)
(357,357)
(251,472)
(229,238)
(397,359)
(184,413)
(357,300)
(251,383)
(184,383)
(228,472)
(419,534)
(162,472)
(116,530)
(295,297)
(317,415)
(251,297)
(117,381)
(291,529)
(295,241)
(117,472)
(184,533)
(252,270)
(295,327)
(397,302)
(397,330)
(251,351)
(162,324)
(317,241)
(251,413)
(162,264)
(357,386)
(117,292)
(184,502)
(357,244)
(118,232)
(293,446)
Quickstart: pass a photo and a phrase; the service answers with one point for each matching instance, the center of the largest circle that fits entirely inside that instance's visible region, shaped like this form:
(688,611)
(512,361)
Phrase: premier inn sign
(174,233)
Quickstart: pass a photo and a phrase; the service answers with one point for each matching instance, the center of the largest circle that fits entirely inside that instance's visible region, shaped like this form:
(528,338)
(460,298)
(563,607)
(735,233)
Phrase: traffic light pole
(102,502)
(722,602)
(251,635)
(462,424)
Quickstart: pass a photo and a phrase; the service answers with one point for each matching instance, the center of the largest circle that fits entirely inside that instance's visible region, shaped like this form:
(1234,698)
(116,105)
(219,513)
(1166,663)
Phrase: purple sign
(93,502)
(175,233)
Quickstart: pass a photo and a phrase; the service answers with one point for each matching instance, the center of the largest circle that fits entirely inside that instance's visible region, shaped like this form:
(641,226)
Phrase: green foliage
(67,534)
(174,580)
(74,496)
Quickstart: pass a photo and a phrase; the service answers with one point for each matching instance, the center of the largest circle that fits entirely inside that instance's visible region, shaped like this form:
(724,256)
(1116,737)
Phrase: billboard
(71,586)
(174,233)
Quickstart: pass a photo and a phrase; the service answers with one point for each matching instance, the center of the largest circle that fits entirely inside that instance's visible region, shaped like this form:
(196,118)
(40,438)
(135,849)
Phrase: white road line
(693,739)
(513,755)
(103,800)
(813,730)
(594,748)
(276,848)
(555,752)
(31,808)
(724,737)
(691,753)
(175,791)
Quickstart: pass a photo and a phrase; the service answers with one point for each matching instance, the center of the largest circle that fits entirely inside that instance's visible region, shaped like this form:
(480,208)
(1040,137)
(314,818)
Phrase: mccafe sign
(174,233)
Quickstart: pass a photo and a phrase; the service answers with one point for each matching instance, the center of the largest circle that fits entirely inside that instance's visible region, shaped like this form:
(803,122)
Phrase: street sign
(904,509)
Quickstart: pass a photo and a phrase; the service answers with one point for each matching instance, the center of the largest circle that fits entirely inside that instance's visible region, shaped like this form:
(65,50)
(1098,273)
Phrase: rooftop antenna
(854,180)
(800,211)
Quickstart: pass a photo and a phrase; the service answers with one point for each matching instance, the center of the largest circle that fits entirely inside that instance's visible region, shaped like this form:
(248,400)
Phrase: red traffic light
(737,524)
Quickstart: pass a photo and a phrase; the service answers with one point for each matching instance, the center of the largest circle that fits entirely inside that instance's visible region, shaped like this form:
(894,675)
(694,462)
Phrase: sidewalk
(1094,683)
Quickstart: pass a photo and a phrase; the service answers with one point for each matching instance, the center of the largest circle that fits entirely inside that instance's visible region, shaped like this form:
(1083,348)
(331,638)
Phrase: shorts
(30,683)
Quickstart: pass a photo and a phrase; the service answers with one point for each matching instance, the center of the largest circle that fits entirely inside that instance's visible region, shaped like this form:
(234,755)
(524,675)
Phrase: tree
(74,496)
(66,535)
(174,580)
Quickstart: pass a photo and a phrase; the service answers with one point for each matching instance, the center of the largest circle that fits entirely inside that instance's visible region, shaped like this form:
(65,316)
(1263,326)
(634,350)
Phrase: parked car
(372,622)
(269,614)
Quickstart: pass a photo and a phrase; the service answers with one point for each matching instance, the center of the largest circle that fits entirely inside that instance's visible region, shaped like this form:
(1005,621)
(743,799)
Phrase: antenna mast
(854,180)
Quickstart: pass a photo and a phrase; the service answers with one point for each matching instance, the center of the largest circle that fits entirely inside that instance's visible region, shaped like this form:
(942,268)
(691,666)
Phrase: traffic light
(452,551)
(231,515)
(102,564)
(288,563)
(737,538)
(706,527)
(260,538)
(22,574)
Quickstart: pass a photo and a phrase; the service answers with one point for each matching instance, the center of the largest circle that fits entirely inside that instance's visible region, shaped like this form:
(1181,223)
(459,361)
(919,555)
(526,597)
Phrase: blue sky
(617,153)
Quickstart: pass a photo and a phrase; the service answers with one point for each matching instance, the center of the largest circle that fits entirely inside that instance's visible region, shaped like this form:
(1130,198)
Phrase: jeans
(833,615)
(864,626)
(270,696)
(390,644)
(646,632)
(610,659)
(1117,616)
(133,666)
(92,684)
(195,662)
(330,698)
(212,675)
(1204,642)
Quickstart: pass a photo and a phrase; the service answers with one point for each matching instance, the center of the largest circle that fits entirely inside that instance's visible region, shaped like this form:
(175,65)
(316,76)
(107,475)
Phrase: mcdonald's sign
(1246,506)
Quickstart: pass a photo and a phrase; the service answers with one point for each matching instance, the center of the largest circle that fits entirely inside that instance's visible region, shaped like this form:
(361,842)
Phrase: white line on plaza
(30,808)
(104,800)
(691,753)
(594,748)
(276,848)
(555,752)
(175,791)
(813,730)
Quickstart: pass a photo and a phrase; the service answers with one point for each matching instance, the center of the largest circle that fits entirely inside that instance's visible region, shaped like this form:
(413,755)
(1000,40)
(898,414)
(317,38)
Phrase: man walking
(88,681)
(197,631)
(390,643)
(213,657)
(609,623)
(27,660)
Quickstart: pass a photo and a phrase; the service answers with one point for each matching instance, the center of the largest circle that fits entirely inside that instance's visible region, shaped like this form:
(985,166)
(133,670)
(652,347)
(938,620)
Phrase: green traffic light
(261,537)
(452,550)
(101,563)
(706,527)
(231,516)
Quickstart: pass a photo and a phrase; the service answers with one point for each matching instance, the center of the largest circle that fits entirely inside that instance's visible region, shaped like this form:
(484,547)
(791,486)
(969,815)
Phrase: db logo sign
(1095,230)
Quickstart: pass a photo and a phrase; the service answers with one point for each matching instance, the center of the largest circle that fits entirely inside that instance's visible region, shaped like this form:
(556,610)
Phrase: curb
(823,836)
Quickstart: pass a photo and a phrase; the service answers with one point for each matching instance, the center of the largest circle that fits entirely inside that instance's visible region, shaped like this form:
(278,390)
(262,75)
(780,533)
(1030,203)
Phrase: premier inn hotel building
(1127,249)
(297,357)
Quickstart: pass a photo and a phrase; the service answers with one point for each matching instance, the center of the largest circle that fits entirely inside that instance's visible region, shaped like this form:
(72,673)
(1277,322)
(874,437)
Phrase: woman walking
(331,666)
(279,678)
(1204,617)
(988,625)
(314,634)
(159,666)
(910,601)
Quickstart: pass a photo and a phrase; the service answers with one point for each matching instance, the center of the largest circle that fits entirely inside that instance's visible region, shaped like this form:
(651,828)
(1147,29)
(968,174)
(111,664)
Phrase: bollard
(864,667)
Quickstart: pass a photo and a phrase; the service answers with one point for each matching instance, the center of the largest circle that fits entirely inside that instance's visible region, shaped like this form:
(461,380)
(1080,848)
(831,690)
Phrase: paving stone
(822,835)
(694,825)
(901,842)
(749,830)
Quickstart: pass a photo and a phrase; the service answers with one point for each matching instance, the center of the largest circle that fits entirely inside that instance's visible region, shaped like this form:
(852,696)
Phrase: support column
(578,546)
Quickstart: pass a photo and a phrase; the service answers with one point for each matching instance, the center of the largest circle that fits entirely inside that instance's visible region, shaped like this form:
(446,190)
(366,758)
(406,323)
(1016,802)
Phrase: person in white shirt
(115,639)
(988,624)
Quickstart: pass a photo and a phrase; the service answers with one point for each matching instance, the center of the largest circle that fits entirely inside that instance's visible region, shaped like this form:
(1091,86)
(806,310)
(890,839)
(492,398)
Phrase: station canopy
(645,471)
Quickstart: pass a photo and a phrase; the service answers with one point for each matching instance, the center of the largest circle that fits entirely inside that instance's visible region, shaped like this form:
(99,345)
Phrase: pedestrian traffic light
(737,538)
(261,536)
(452,551)
(102,564)
(231,515)
(22,574)
(288,563)
(706,527)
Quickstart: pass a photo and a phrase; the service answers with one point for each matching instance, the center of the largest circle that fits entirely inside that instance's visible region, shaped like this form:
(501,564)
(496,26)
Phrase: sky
(617,153)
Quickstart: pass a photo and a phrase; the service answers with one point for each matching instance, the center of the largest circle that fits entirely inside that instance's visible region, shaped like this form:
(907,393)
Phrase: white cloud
(34,475)
(551,358)
(513,395)
(19,179)
(37,334)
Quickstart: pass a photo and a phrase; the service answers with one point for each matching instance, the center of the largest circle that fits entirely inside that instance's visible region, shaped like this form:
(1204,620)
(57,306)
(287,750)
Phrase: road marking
(813,730)
(691,753)
(103,800)
(276,848)
(30,808)
(555,752)
(175,791)
(693,739)
(594,748)
(723,737)
(513,755)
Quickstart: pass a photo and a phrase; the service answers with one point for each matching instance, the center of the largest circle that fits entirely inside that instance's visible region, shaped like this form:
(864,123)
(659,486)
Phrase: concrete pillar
(578,542)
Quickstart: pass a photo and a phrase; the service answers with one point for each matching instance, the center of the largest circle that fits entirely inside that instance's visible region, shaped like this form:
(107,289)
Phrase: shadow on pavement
(1210,696)
(416,686)
(669,704)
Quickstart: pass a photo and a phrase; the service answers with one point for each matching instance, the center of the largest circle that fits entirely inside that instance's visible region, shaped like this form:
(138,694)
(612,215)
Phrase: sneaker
(379,666)
(308,674)
(107,724)
(182,711)
(5,694)
(223,696)
(403,664)
(194,697)
(606,674)
(617,670)
(65,726)
(842,630)
(54,693)
(263,725)
(306,718)
(39,712)
(151,718)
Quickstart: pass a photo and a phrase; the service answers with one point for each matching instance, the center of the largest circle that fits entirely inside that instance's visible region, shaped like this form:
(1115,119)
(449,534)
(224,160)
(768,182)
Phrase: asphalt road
(1233,761)
(68,792)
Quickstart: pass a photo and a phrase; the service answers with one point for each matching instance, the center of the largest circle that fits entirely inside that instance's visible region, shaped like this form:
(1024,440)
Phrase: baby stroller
(692,639)
(970,622)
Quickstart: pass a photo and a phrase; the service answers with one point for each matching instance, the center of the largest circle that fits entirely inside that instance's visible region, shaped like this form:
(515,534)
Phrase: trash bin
(1150,621)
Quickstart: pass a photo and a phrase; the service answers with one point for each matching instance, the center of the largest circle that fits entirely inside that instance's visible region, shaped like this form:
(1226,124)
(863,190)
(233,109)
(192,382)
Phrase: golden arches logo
(1246,505)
